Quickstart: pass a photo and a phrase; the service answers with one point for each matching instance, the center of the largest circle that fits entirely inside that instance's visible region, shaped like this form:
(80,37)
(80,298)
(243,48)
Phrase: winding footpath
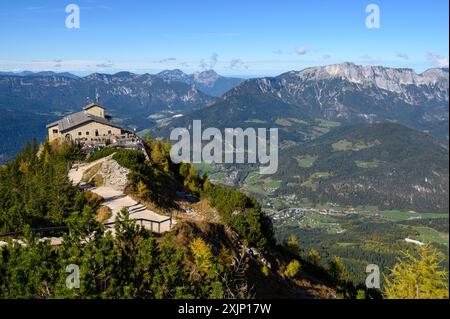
(117,200)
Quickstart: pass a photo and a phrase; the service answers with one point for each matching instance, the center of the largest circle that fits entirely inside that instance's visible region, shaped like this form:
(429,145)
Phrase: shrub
(104,152)
(103,214)
(142,190)
(90,172)
(265,270)
(92,199)
(130,159)
(98,180)
(243,214)
(225,257)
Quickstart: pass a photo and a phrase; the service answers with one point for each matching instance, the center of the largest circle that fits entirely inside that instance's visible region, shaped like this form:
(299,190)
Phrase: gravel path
(116,200)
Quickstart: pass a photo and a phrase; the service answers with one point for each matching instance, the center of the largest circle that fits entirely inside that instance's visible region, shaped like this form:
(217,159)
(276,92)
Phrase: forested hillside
(197,259)
(374,165)
(234,256)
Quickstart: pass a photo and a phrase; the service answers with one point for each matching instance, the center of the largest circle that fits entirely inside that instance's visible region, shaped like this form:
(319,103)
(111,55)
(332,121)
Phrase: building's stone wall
(97,111)
(53,133)
(91,131)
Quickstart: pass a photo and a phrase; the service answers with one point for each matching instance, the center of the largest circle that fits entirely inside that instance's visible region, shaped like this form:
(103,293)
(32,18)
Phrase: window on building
(55,131)
(96,133)
(109,132)
(79,133)
(87,133)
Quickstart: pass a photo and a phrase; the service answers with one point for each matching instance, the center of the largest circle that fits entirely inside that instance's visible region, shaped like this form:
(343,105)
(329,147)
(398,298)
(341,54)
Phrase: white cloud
(105,65)
(203,65)
(237,64)
(437,59)
(213,60)
(210,63)
(278,52)
(167,60)
(403,56)
(301,51)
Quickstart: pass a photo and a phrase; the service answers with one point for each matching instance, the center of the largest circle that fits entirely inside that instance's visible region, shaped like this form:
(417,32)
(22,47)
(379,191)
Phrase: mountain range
(208,81)
(37,74)
(124,93)
(346,93)
(350,135)
(316,110)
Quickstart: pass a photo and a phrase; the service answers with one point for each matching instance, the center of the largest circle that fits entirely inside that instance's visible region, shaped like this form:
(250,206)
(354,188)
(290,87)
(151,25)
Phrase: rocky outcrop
(113,175)
(389,79)
(107,173)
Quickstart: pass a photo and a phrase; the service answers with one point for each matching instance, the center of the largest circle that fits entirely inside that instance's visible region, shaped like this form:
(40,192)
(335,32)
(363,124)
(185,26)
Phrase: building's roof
(79,118)
(90,105)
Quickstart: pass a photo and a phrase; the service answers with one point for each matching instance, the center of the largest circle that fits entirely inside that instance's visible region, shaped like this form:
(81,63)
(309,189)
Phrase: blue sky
(245,38)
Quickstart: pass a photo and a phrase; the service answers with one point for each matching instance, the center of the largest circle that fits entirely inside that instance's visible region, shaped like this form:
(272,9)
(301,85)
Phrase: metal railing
(35,231)
(142,222)
(44,230)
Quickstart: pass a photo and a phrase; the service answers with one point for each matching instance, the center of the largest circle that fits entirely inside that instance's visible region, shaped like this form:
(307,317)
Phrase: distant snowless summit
(346,88)
(391,79)
(214,84)
(38,74)
(346,93)
(207,81)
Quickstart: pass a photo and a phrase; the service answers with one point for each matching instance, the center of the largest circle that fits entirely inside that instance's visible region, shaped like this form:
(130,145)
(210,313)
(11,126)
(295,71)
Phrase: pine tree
(314,257)
(293,244)
(225,257)
(336,268)
(292,269)
(142,190)
(202,255)
(417,277)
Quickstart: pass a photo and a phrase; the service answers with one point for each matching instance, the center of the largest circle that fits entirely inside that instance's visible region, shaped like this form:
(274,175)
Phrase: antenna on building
(97,97)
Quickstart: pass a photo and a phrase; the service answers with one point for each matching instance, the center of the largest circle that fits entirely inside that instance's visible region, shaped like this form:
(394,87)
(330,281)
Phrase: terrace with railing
(127,141)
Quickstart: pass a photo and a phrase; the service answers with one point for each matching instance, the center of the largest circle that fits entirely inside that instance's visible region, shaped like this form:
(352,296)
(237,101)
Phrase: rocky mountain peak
(208,81)
(390,79)
(208,77)
(98,77)
(173,75)
(124,74)
(436,75)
